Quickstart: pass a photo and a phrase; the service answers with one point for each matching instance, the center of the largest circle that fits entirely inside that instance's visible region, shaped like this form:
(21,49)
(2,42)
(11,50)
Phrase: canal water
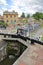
(10,60)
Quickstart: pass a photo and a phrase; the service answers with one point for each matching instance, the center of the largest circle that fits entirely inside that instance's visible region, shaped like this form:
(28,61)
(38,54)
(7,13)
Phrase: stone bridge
(20,38)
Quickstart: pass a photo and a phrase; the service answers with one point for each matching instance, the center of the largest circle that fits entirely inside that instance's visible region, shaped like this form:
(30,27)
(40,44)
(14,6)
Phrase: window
(14,16)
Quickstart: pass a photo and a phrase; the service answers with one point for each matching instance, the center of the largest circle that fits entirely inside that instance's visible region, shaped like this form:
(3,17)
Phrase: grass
(42,38)
(41,26)
(23,21)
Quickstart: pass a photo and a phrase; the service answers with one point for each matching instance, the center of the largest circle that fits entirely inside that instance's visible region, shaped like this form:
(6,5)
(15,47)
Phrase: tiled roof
(7,12)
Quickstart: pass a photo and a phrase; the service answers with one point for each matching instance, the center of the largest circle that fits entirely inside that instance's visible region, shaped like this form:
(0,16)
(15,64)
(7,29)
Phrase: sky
(26,6)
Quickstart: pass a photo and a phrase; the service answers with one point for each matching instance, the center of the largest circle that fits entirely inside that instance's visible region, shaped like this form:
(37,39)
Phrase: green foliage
(23,15)
(23,21)
(38,16)
(1,23)
(5,24)
(42,38)
(10,50)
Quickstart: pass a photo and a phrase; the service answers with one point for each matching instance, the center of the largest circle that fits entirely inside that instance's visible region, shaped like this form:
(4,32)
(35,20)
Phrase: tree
(28,15)
(5,24)
(23,15)
(38,16)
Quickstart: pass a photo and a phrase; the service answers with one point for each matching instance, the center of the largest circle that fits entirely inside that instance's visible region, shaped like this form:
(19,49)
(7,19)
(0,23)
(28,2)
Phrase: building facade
(10,16)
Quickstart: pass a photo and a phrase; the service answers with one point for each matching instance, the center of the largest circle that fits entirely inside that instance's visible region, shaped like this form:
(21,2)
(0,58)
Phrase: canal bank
(3,52)
(14,51)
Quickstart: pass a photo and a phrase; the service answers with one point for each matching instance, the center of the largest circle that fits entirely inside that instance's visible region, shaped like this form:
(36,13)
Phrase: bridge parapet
(21,37)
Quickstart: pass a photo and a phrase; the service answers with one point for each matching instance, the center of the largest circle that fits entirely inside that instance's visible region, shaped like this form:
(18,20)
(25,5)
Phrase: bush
(5,24)
(1,23)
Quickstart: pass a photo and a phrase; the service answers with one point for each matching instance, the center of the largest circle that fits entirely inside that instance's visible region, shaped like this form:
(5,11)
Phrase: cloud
(26,6)
(3,2)
(1,12)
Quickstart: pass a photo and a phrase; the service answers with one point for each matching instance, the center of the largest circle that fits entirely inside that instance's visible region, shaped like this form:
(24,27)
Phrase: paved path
(33,55)
(37,33)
